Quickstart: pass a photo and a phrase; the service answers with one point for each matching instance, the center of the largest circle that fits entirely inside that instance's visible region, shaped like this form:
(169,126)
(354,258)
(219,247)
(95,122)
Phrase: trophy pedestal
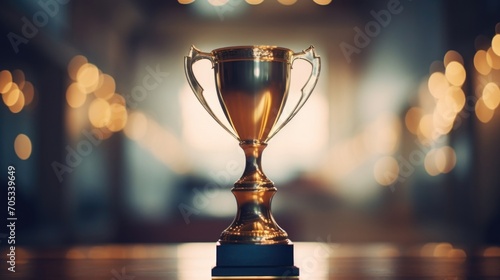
(243,260)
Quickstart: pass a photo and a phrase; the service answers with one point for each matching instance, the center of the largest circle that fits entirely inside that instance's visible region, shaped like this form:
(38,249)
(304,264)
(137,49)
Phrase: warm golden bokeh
(75,64)
(254,2)
(491,96)
(438,84)
(492,59)
(480,63)
(483,113)
(447,158)
(117,98)
(107,110)
(412,119)
(107,88)
(452,55)
(449,99)
(5,81)
(17,92)
(22,146)
(443,122)
(19,105)
(88,77)
(75,97)
(118,118)
(442,249)
(322,2)
(10,98)
(440,160)
(430,163)
(457,96)
(495,44)
(99,113)
(455,73)
(426,127)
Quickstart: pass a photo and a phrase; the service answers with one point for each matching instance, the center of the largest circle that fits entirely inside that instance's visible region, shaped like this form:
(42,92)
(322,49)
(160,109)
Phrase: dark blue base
(255,260)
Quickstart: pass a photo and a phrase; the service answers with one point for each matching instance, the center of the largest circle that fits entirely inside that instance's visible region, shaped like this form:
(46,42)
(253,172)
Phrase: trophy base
(253,260)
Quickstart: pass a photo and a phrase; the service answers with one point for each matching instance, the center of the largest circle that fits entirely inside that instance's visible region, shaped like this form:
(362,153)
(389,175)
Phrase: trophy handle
(310,56)
(193,56)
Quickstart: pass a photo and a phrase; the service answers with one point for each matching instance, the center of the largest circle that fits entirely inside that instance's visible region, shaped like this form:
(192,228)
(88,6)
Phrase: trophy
(252,86)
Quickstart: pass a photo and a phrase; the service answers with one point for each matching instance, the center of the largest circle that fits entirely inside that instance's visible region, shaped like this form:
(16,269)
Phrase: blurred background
(398,142)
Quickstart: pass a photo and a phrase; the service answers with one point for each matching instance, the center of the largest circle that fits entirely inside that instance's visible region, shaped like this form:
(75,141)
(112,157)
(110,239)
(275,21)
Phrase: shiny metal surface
(254,222)
(252,86)
(252,94)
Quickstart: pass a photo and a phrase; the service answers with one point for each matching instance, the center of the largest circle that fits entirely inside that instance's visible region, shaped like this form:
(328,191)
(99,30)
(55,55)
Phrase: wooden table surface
(194,260)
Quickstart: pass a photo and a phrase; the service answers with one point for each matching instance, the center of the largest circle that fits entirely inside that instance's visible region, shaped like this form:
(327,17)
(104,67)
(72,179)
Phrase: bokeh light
(446,159)
(17,92)
(5,81)
(107,88)
(483,113)
(491,96)
(99,113)
(442,121)
(117,98)
(75,64)
(323,2)
(452,55)
(412,119)
(438,84)
(430,163)
(10,98)
(107,110)
(455,73)
(495,44)
(254,2)
(88,77)
(426,126)
(480,63)
(442,110)
(453,100)
(442,249)
(75,97)
(19,105)
(492,59)
(118,118)
(22,146)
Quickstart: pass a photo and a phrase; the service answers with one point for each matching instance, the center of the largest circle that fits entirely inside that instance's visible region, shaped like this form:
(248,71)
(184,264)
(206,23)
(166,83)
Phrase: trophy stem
(254,222)
(253,177)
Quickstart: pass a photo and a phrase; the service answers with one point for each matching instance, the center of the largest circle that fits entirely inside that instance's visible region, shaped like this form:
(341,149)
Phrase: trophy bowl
(252,85)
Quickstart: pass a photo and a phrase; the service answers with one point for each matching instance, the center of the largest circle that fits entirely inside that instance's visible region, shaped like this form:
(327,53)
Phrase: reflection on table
(316,260)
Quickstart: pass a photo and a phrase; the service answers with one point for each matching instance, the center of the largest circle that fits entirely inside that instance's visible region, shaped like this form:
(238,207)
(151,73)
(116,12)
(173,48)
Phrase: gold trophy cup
(252,86)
